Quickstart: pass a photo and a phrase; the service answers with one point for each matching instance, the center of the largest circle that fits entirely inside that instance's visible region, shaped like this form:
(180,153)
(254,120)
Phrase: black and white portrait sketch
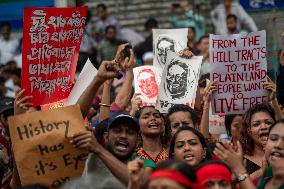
(164,44)
(166,41)
(180,78)
(179,81)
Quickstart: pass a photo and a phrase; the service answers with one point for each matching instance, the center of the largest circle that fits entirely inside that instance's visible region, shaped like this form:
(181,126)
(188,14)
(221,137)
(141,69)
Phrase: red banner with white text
(51,43)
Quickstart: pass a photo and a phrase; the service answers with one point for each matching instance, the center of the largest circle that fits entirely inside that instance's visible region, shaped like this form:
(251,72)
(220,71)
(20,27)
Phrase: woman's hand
(136,103)
(271,88)
(232,157)
(208,92)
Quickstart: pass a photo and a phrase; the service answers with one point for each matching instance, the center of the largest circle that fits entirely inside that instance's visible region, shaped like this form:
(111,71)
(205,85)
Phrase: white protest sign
(179,81)
(216,123)
(167,40)
(147,80)
(85,78)
(239,67)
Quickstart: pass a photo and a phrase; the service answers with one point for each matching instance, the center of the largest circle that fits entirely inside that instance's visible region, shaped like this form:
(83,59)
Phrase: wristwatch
(242,177)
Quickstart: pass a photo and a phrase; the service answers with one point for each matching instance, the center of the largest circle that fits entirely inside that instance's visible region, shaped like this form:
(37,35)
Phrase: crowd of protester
(134,146)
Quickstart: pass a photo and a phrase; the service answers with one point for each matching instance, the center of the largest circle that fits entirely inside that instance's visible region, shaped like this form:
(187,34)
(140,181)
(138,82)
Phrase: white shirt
(8,49)
(218,17)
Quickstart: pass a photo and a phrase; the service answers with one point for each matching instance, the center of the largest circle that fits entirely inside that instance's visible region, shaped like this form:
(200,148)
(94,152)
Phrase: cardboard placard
(239,68)
(51,43)
(41,145)
(165,41)
(179,81)
(147,80)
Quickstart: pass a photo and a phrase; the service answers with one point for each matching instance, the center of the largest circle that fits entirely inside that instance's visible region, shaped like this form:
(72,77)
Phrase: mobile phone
(126,51)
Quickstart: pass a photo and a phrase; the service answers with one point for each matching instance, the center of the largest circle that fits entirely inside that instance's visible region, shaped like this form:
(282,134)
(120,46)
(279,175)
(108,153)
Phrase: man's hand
(129,63)
(135,171)
(107,70)
(85,140)
(120,57)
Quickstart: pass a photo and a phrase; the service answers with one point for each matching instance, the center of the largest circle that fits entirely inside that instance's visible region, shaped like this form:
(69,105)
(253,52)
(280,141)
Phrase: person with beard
(108,47)
(231,21)
(110,161)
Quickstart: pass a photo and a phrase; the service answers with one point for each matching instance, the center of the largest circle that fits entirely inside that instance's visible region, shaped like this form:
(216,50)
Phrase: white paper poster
(147,80)
(165,41)
(84,80)
(179,81)
(239,67)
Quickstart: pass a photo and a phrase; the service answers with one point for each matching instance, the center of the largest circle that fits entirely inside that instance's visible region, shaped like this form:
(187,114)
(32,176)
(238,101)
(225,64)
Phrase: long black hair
(166,135)
(195,132)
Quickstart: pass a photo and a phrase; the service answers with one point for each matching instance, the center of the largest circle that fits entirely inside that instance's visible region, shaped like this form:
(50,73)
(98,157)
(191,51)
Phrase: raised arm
(105,102)
(107,70)
(204,124)
(271,88)
(124,95)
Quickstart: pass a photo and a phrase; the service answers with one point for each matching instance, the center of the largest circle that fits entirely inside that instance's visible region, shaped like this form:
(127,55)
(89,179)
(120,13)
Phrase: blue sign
(255,5)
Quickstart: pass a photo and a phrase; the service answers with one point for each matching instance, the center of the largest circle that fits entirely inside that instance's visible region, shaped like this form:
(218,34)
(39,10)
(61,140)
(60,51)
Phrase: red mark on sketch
(147,83)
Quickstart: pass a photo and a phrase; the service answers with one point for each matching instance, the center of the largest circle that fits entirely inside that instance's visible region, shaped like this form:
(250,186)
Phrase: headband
(213,171)
(173,175)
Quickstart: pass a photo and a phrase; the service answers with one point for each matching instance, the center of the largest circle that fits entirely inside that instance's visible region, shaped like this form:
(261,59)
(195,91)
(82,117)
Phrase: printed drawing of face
(179,79)
(164,44)
(147,83)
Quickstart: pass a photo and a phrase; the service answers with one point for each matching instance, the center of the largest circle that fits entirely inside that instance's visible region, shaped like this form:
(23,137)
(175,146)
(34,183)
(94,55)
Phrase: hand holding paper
(136,103)
(271,88)
(85,140)
(186,53)
(208,92)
